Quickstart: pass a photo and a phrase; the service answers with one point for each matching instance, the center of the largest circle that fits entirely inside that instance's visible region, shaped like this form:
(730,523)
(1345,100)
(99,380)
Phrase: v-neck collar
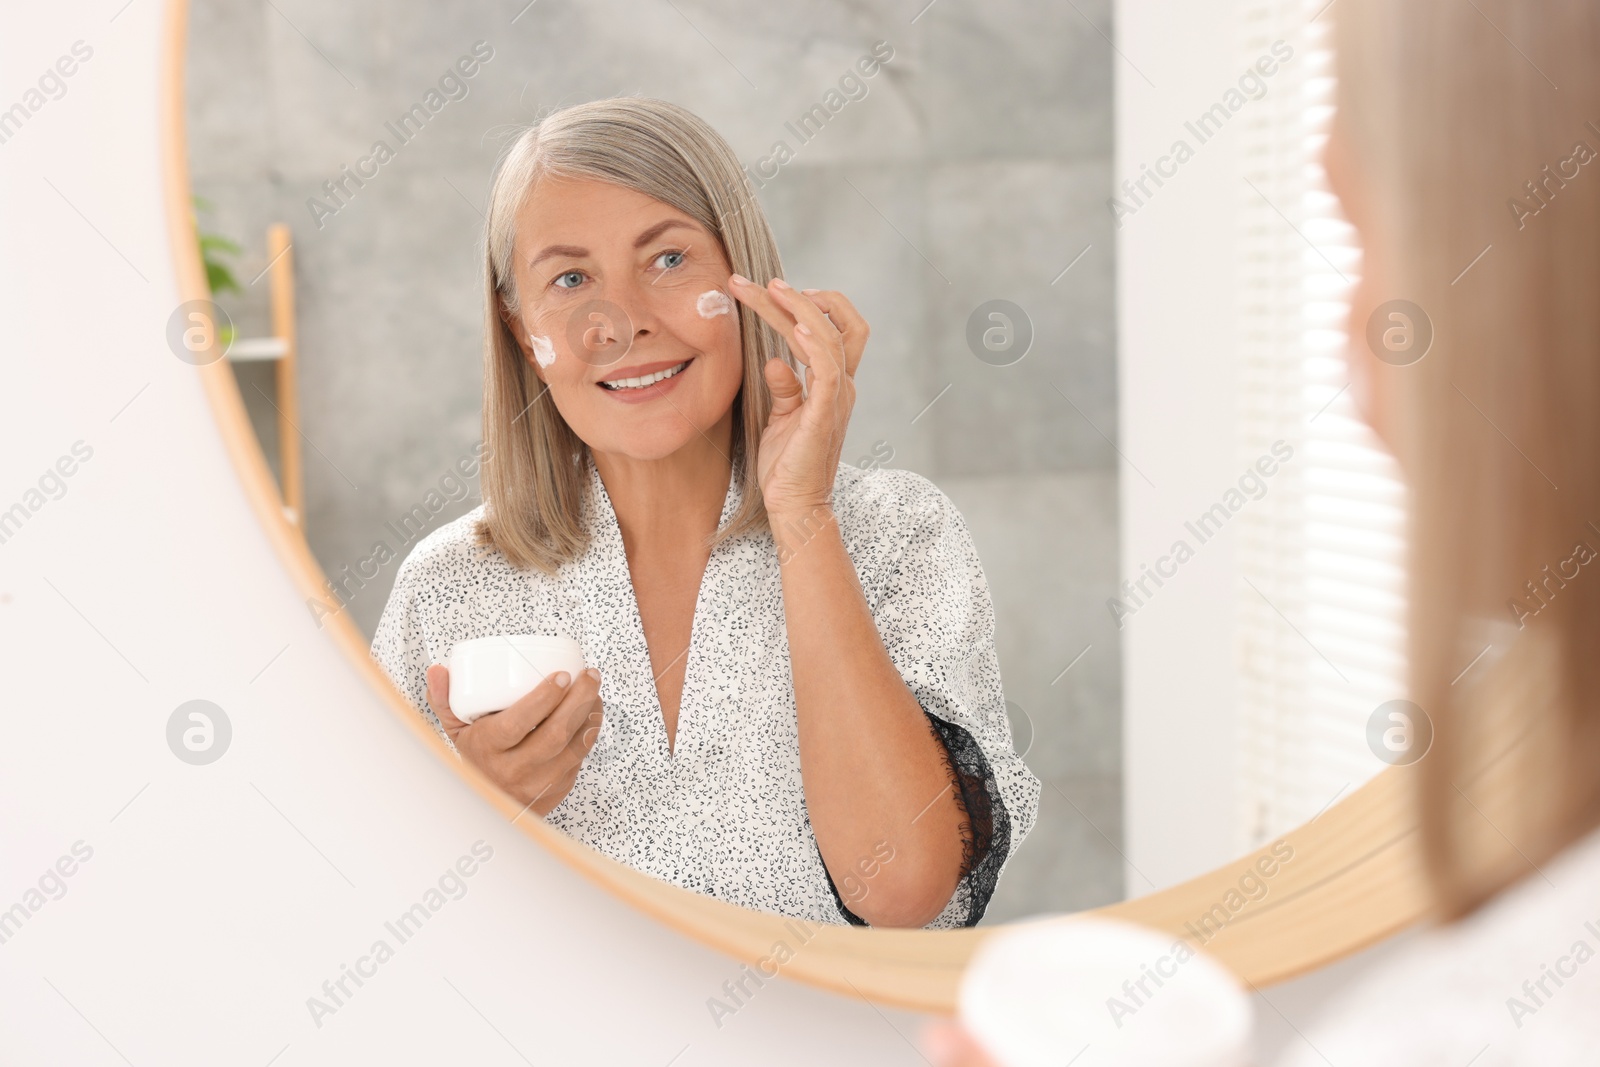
(627,652)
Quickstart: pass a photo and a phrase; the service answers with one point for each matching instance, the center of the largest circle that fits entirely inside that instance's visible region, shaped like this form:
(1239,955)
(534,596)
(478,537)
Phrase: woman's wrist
(794,528)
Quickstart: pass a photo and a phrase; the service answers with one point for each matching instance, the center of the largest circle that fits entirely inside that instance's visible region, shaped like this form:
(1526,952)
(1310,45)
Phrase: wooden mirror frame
(1356,877)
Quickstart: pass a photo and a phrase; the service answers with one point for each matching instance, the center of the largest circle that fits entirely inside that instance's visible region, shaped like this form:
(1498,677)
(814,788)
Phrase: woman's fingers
(535,748)
(803,308)
(438,679)
(784,385)
(759,299)
(825,331)
(847,320)
(583,739)
(504,730)
(814,331)
(552,735)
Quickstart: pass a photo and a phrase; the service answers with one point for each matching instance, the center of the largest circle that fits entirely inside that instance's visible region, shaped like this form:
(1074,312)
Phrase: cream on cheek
(540,322)
(544,353)
(713,302)
(711,305)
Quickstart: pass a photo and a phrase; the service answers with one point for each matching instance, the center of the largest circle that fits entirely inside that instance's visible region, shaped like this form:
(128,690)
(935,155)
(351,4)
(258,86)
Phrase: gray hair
(532,475)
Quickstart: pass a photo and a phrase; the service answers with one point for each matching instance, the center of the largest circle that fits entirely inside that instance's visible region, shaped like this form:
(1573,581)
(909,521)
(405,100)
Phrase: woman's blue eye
(560,279)
(676,261)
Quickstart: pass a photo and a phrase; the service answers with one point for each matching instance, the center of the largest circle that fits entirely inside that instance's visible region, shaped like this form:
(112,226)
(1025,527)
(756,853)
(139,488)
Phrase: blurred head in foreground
(1466,151)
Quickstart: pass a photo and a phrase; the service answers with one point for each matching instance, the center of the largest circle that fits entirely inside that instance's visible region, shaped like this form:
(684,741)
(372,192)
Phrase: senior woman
(793,702)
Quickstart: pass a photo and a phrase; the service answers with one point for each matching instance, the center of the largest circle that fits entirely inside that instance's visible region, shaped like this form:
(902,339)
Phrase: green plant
(219,275)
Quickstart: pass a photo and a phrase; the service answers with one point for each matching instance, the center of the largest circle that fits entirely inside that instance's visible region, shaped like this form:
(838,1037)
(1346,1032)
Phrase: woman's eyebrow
(643,239)
(658,229)
(557,250)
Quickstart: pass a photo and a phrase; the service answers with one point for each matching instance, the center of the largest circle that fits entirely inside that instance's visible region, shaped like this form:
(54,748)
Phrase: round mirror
(467,288)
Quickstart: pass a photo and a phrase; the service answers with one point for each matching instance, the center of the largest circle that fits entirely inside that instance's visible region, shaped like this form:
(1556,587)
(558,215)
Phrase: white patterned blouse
(724,813)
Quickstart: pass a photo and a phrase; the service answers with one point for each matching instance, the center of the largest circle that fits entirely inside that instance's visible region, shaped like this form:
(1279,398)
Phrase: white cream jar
(492,673)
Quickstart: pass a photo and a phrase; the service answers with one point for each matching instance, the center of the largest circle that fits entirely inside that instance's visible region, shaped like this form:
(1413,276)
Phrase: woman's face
(1368,380)
(614,286)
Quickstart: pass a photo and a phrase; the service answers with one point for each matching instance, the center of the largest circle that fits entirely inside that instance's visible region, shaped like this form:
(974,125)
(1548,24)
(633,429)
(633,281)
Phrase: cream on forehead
(543,351)
(713,302)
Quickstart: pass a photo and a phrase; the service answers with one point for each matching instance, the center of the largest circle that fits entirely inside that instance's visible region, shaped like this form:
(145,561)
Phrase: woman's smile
(649,381)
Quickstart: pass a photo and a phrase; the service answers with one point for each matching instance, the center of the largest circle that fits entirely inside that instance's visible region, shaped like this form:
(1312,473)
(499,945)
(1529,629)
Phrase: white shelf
(256,349)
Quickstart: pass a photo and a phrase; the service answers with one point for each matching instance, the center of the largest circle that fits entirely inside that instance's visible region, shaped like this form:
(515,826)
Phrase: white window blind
(1321,603)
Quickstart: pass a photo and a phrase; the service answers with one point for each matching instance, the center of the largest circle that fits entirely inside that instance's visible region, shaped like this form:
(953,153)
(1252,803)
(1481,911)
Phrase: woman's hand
(805,433)
(947,1044)
(534,748)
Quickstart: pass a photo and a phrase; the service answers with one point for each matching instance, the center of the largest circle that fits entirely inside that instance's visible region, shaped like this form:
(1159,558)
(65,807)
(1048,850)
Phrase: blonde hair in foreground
(1461,140)
(533,475)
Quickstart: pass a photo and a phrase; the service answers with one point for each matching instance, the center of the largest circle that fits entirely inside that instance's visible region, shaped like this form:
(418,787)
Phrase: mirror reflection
(768,360)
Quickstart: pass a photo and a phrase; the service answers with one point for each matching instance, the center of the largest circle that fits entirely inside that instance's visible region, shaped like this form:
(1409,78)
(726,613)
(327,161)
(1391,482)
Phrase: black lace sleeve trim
(985,826)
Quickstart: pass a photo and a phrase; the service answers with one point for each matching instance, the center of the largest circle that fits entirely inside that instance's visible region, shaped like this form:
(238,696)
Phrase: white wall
(1176,315)
(218,898)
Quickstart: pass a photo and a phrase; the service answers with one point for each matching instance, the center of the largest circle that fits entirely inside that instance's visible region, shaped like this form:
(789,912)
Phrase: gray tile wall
(976,167)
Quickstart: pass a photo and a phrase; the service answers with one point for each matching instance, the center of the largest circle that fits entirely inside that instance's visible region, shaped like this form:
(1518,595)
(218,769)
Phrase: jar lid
(1037,992)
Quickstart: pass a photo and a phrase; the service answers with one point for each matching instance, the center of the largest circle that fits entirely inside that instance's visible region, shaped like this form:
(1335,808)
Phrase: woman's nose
(602,331)
(634,298)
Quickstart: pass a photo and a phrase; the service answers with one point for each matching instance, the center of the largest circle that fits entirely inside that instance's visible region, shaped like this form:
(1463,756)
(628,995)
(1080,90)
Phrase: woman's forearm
(875,775)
